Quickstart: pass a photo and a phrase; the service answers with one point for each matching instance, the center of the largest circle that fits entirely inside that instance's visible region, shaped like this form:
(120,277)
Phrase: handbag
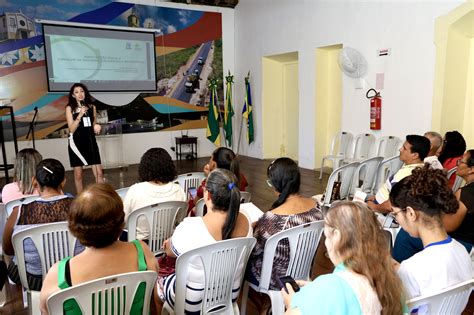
(167,265)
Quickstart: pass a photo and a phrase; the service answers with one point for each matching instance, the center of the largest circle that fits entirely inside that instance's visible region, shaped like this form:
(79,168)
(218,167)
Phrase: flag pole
(242,122)
(219,110)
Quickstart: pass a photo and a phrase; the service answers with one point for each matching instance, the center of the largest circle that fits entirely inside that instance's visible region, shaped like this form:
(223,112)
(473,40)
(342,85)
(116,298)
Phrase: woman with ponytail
(222,221)
(289,210)
(51,206)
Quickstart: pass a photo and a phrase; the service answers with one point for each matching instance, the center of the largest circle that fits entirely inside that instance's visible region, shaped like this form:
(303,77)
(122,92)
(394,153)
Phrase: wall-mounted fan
(353,64)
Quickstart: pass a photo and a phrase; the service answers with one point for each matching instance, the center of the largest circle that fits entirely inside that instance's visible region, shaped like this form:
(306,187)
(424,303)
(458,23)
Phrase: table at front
(187,141)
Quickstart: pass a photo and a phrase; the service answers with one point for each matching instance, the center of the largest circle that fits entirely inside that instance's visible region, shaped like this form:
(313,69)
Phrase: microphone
(83,104)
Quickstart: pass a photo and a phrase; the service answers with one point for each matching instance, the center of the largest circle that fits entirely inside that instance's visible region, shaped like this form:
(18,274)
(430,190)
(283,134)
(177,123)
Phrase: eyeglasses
(459,161)
(393,213)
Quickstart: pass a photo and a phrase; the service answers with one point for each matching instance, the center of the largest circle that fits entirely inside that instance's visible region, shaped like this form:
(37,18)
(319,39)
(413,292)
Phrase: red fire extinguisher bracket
(375,109)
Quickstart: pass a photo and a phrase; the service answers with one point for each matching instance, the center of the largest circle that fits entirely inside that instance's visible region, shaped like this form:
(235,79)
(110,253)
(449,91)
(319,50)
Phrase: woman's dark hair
(225,196)
(425,190)
(96,216)
(72,101)
(453,145)
(50,173)
(156,166)
(470,159)
(225,158)
(284,176)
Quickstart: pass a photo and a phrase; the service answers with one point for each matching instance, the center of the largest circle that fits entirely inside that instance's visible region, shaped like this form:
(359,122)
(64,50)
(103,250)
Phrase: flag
(247,110)
(213,130)
(228,110)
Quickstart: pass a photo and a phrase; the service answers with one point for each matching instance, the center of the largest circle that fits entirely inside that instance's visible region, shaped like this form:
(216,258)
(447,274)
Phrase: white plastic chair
(363,144)
(345,175)
(339,147)
(365,174)
(161,218)
(387,167)
(452,300)
(199,207)
(16,202)
(108,295)
(457,183)
(303,240)
(245,197)
(223,264)
(387,146)
(122,192)
(53,242)
(190,180)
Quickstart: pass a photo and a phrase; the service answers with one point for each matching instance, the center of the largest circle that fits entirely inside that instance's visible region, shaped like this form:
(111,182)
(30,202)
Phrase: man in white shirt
(435,145)
(412,153)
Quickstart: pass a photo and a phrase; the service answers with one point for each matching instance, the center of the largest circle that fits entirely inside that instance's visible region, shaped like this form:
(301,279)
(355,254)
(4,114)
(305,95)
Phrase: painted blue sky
(168,19)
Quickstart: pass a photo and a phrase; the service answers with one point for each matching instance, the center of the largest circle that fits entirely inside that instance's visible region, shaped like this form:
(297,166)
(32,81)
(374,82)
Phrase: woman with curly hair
(156,173)
(419,202)
(364,280)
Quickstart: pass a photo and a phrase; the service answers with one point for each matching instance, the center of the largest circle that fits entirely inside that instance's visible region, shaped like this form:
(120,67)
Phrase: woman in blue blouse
(364,280)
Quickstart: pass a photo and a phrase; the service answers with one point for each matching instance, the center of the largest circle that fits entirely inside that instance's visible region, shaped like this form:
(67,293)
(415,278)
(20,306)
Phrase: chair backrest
(245,197)
(386,168)
(162,218)
(365,174)
(341,143)
(16,202)
(122,192)
(303,240)
(53,241)
(457,183)
(363,145)
(108,295)
(223,262)
(190,180)
(387,146)
(451,172)
(344,174)
(452,300)
(199,207)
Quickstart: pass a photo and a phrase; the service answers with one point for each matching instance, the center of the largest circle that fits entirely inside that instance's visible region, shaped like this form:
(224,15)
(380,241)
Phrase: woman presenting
(83,150)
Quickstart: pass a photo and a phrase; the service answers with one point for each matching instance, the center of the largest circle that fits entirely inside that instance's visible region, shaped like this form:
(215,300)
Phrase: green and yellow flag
(228,110)
(247,110)
(213,130)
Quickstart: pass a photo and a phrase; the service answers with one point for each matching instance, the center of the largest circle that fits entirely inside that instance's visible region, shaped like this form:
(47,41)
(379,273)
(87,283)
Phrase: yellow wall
(291,112)
(328,99)
(453,85)
(280,104)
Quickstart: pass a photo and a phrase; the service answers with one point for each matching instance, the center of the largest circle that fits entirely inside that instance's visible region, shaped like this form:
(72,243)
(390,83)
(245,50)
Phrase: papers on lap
(251,211)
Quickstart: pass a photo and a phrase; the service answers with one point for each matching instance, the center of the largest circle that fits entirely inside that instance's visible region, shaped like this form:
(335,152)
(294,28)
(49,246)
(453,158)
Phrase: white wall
(269,27)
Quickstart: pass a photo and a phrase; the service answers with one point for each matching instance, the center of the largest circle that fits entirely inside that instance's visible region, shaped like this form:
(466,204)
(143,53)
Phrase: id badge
(86,121)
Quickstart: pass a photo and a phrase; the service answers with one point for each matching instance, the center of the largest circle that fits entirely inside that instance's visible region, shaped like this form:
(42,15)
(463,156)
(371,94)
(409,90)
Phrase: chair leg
(321,170)
(278,306)
(245,295)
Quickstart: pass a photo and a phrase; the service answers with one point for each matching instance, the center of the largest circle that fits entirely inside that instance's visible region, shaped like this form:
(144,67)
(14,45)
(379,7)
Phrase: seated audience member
(226,159)
(156,174)
(51,206)
(418,202)
(96,218)
(435,146)
(458,225)
(289,210)
(221,222)
(23,173)
(364,280)
(412,153)
(453,148)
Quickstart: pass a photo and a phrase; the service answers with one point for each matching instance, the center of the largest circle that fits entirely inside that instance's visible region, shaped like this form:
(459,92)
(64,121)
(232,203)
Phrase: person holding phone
(81,121)
(364,280)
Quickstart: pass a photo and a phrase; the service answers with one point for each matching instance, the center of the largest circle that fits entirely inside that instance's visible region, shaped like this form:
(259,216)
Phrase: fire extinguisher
(375,109)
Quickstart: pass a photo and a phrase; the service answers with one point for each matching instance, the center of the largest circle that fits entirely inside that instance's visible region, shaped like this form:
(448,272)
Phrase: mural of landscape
(188,54)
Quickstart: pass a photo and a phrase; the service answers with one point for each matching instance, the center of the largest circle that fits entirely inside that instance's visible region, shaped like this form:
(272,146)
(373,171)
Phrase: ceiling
(216,3)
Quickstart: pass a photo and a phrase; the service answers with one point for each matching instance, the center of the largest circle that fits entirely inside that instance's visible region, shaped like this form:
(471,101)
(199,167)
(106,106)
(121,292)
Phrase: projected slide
(104,60)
